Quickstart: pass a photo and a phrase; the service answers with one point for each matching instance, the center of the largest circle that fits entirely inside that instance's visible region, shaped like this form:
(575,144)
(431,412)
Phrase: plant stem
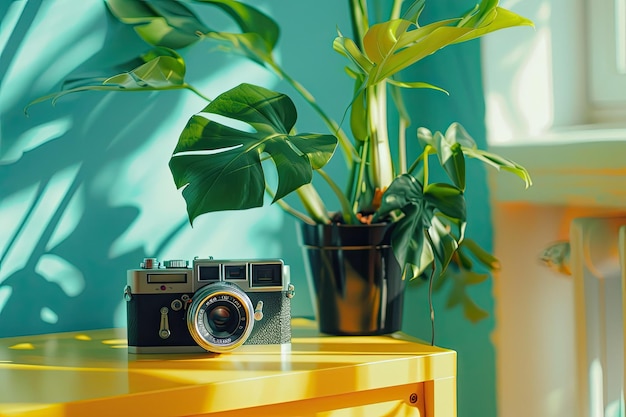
(360,176)
(196,92)
(426,152)
(300,216)
(397,8)
(313,203)
(430,305)
(346,209)
(402,168)
(359,19)
(380,153)
(310,200)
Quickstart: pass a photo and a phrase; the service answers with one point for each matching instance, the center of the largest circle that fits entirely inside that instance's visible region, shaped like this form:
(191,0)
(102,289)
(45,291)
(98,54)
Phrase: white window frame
(606,49)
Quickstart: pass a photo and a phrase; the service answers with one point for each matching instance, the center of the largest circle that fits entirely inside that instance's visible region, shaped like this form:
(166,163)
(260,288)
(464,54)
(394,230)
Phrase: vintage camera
(214,305)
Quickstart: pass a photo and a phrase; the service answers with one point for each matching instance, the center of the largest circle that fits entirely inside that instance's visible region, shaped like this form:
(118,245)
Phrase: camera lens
(222,321)
(220,317)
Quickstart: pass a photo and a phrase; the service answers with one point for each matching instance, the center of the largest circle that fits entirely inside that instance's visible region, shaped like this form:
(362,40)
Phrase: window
(606,49)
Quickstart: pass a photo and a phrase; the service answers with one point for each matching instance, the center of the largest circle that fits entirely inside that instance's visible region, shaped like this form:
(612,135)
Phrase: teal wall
(85,192)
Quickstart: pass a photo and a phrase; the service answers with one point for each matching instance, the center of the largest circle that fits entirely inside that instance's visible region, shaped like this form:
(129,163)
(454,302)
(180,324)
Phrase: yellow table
(91,374)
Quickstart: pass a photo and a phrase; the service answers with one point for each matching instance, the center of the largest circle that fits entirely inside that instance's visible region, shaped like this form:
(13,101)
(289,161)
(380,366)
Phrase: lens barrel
(220,317)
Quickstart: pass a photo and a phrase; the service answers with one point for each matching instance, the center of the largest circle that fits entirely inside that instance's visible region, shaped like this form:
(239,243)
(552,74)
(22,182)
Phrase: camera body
(214,305)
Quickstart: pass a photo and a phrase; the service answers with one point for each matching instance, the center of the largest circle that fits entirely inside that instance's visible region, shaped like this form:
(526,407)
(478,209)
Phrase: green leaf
(458,294)
(456,133)
(484,257)
(495,20)
(165,71)
(464,261)
(449,152)
(472,312)
(403,192)
(473,278)
(411,248)
(220,166)
(159,72)
(358,117)
(169,24)
(349,49)
(500,163)
(451,158)
(392,49)
(425,137)
(446,198)
(483,12)
(421,236)
(250,21)
(413,12)
(443,243)
(259,33)
(456,144)
(397,44)
(418,84)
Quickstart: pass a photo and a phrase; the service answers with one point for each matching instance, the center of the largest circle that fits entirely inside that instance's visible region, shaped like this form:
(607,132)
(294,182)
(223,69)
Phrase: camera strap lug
(291,291)
(128,295)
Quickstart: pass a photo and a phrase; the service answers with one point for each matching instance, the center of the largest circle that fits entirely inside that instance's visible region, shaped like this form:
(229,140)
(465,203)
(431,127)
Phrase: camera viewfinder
(266,275)
(235,272)
(209,273)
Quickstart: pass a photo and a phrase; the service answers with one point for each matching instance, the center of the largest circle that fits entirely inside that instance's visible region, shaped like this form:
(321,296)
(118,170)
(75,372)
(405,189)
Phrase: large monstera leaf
(220,167)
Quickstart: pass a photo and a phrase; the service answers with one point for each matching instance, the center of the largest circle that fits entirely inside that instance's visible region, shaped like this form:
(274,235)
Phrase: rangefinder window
(235,272)
(266,275)
(167,278)
(209,273)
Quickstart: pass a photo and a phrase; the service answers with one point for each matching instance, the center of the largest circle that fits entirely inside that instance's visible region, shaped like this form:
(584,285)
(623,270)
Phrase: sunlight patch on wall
(5,294)
(532,92)
(536,108)
(8,22)
(69,219)
(48,316)
(517,75)
(84,47)
(58,270)
(36,136)
(46,203)
(13,207)
(79,39)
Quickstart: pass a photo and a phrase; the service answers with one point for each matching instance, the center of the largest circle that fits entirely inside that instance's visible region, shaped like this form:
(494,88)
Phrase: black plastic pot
(357,281)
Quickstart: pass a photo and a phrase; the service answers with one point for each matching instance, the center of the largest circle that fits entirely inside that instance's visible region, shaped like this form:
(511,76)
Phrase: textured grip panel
(275,326)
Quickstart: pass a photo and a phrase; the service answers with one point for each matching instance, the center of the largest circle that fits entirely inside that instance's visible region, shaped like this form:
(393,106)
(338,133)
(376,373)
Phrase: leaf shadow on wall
(61,187)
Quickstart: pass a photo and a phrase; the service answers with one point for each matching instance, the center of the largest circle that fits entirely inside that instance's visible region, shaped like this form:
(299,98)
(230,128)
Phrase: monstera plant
(222,166)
